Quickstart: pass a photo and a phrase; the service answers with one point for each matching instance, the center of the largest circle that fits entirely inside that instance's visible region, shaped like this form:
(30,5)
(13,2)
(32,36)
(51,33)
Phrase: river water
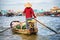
(43,32)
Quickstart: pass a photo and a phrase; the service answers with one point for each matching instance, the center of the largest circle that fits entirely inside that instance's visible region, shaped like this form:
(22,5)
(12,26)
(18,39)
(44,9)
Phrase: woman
(29,13)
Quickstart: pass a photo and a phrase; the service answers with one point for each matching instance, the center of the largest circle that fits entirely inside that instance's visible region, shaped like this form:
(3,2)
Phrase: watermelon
(18,27)
(24,27)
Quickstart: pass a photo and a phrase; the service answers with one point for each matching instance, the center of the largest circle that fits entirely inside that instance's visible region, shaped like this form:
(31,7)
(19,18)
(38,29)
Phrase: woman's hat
(28,5)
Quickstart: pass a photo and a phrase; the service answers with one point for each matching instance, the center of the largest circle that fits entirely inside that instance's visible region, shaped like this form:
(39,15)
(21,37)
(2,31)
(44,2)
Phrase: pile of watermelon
(23,26)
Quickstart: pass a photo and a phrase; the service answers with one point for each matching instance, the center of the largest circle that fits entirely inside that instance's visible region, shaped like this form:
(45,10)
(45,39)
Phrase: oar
(46,26)
(5,29)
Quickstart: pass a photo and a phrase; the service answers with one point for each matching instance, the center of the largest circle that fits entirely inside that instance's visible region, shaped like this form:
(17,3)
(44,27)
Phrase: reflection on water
(29,37)
(42,34)
(33,37)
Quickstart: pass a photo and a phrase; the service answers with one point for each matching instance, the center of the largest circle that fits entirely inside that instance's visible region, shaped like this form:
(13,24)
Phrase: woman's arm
(33,13)
(24,11)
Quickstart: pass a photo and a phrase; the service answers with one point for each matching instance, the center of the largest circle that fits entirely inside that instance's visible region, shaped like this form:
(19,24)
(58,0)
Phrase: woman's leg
(27,23)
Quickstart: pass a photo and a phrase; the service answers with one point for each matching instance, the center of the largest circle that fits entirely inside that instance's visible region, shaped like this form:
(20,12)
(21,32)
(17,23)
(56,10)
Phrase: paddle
(46,26)
(5,29)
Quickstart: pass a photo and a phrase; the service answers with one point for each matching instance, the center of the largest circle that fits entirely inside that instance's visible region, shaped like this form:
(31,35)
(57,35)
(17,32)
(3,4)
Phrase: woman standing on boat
(29,13)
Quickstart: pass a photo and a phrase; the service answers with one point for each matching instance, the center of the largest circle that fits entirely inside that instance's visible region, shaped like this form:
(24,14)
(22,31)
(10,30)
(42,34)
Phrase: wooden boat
(20,27)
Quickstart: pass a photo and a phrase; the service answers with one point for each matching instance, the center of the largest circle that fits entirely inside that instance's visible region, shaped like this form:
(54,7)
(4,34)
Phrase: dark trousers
(27,24)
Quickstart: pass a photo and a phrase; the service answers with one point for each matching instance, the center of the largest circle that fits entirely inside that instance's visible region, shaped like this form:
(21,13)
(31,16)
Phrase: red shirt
(28,11)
